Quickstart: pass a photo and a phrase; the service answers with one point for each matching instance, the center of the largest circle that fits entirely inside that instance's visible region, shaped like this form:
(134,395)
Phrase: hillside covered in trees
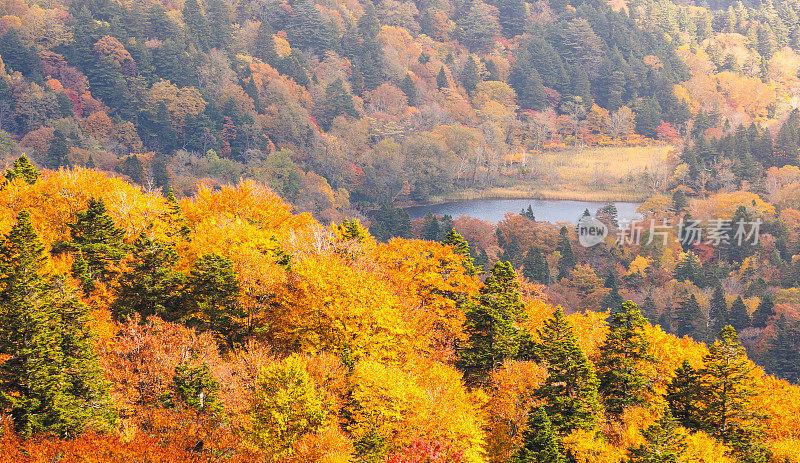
(227,328)
(353,104)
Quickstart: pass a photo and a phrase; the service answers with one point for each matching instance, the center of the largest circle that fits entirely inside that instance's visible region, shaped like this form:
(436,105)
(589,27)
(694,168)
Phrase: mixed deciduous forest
(205,258)
(225,327)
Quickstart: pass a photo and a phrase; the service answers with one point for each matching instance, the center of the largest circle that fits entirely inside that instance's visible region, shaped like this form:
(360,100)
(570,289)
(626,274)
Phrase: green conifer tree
(23,169)
(96,237)
(51,380)
(410,89)
(441,79)
(689,319)
(493,325)
(738,317)
(567,260)
(470,76)
(570,389)
(717,312)
(623,361)
(461,247)
(765,312)
(534,266)
(151,285)
(197,387)
(683,396)
(727,387)
(57,153)
(540,444)
(783,357)
(212,293)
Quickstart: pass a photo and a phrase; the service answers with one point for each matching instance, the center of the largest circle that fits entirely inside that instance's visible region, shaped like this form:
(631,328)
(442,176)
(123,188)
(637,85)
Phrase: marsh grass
(593,174)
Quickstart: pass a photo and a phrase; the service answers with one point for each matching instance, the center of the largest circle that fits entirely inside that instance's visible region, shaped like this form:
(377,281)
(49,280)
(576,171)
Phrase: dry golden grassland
(625,173)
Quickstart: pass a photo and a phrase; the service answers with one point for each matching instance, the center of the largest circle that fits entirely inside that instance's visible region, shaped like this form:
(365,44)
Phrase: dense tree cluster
(225,328)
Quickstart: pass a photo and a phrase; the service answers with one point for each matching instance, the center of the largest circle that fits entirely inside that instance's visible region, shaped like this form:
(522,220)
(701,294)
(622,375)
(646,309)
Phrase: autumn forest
(206,253)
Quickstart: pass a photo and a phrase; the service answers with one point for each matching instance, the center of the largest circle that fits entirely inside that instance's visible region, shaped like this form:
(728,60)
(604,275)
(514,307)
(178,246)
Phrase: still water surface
(494,210)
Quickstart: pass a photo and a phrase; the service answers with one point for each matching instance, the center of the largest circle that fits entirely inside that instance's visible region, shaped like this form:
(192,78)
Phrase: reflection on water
(494,210)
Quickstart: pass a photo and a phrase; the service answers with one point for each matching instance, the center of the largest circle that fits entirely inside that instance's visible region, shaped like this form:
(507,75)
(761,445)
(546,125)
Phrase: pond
(494,210)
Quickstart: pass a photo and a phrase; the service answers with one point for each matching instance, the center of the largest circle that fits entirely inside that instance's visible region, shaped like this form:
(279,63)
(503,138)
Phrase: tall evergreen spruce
(728,385)
(540,444)
(664,443)
(408,87)
(613,300)
(51,381)
(57,153)
(765,312)
(493,324)
(534,266)
(738,317)
(624,357)
(570,389)
(717,312)
(97,238)
(151,285)
(461,247)
(689,319)
(23,169)
(441,79)
(212,292)
(566,261)
(783,357)
(684,396)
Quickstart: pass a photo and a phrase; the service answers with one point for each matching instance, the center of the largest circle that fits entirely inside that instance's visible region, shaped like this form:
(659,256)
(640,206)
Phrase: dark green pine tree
(782,358)
(684,396)
(649,310)
(688,268)
(570,390)
(96,237)
(765,312)
(470,76)
(174,216)
(679,201)
(613,300)
(211,295)
(197,387)
(461,247)
(431,230)
(512,14)
(493,325)
(624,358)
(534,266)
(150,285)
(337,101)
(264,46)
(50,381)
(566,261)
(219,23)
(58,153)
(23,169)
(441,79)
(727,386)
(786,149)
(408,87)
(663,443)
(525,80)
(717,312)
(689,319)
(738,316)
(540,444)
(196,24)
